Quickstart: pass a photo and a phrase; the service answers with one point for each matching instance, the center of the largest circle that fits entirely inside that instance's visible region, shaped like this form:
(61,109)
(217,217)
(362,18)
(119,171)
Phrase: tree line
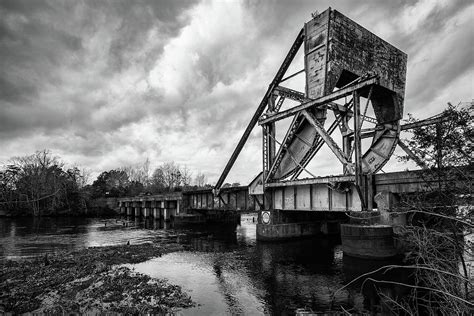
(42,184)
(139,179)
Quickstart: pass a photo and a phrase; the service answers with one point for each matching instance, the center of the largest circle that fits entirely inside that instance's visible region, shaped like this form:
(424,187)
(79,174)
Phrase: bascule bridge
(352,102)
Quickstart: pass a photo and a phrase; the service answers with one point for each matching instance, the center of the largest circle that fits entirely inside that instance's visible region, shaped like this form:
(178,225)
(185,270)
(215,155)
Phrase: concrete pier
(166,214)
(370,235)
(279,225)
(368,241)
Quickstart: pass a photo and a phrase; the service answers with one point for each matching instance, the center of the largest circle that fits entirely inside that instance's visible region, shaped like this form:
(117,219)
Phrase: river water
(225,270)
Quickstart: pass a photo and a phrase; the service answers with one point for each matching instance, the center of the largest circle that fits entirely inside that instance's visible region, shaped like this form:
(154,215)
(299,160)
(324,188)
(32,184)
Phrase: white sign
(266,217)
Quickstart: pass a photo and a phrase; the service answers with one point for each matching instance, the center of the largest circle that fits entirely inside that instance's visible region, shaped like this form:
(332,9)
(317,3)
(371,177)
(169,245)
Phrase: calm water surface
(226,271)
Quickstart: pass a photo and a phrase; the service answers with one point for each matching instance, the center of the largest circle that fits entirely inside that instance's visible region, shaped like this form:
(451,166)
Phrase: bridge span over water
(352,101)
(323,194)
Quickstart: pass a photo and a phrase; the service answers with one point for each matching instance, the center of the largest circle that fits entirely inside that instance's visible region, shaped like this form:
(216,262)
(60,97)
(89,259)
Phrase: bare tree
(200,179)
(186,176)
(170,176)
(440,226)
(38,182)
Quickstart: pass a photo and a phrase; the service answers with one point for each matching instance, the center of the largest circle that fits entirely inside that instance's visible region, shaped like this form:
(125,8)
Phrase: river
(226,270)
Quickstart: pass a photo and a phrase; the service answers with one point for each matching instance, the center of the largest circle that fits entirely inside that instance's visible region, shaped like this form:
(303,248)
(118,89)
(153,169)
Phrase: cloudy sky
(105,84)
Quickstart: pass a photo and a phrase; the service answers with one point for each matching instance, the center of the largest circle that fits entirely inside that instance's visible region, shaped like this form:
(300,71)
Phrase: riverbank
(91,280)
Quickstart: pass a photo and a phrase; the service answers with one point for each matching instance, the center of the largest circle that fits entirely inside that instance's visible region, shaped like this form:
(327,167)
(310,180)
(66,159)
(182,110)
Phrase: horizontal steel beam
(320,101)
(434,120)
(300,97)
(421,123)
(323,180)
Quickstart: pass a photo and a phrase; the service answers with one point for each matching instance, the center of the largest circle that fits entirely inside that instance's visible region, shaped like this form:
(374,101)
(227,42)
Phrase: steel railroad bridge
(352,102)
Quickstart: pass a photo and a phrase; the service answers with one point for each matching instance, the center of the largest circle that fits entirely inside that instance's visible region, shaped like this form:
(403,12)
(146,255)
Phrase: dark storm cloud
(108,83)
(137,17)
(15,92)
(48,55)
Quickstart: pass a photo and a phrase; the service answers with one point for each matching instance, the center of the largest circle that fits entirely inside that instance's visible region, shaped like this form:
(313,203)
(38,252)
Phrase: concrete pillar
(129,209)
(156,213)
(372,240)
(146,212)
(166,214)
(177,207)
(366,241)
(137,211)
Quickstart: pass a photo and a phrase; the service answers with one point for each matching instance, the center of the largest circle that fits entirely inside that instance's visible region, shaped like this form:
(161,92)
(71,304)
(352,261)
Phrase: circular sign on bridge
(266,217)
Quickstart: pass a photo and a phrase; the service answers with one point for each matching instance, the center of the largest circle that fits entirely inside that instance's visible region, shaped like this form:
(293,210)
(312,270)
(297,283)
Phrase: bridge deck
(333,193)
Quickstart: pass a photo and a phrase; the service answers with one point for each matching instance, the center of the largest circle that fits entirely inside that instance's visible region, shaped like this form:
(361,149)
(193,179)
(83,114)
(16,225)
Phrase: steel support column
(359,181)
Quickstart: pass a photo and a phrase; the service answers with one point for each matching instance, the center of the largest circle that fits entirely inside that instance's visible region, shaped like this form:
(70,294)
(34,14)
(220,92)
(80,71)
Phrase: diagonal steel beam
(328,139)
(279,104)
(315,149)
(261,108)
(319,102)
(288,136)
(319,144)
(412,155)
(285,92)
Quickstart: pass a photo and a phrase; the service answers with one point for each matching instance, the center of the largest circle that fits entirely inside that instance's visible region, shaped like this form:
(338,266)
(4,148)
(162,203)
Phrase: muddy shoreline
(90,280)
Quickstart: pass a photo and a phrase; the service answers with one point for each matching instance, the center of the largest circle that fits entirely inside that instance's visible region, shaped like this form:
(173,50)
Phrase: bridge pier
(155,210)
(279,225)
(166,214)
(129,209)
(122,208)
(372,234)
(160,206)
(137,209)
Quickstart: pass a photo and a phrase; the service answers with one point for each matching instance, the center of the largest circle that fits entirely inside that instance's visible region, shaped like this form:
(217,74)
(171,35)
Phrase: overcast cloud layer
(110,83)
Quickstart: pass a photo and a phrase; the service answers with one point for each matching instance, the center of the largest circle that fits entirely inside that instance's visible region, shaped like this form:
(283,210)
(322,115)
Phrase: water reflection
(226,271)
(26,237)
(354,268)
